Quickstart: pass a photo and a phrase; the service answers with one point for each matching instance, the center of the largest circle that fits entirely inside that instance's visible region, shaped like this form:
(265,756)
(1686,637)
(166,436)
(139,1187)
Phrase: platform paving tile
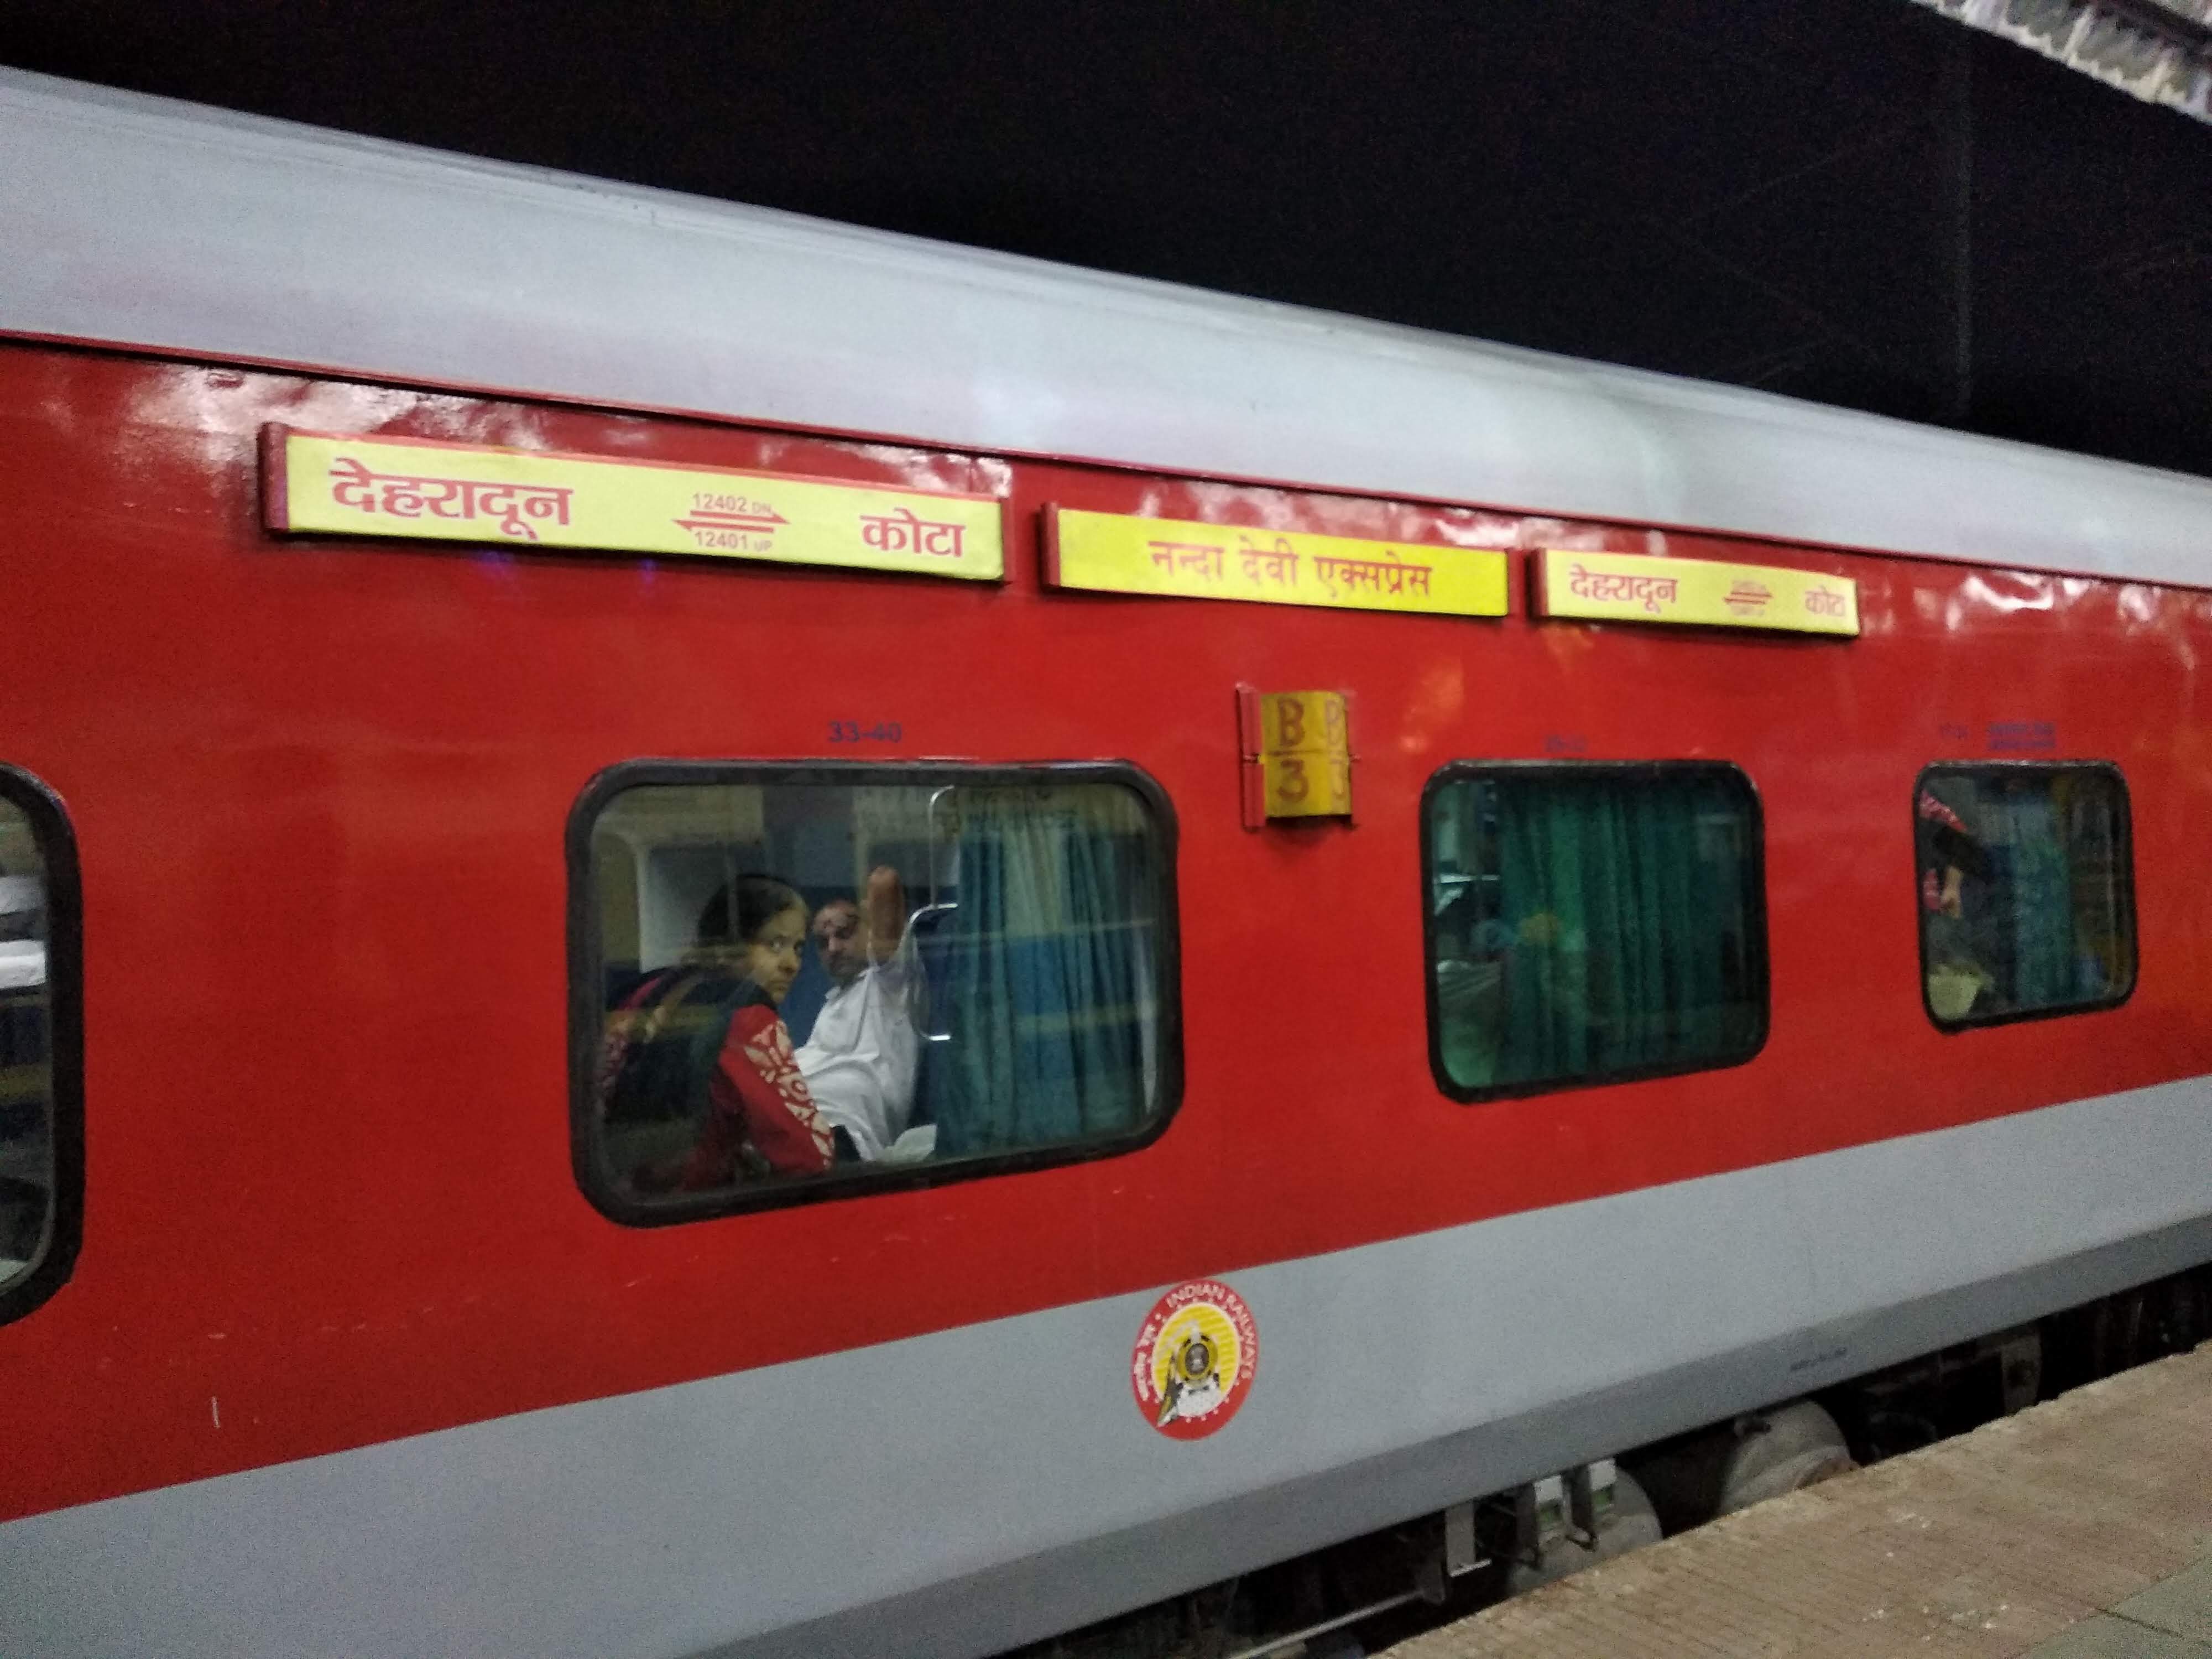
(2107,1637)
(2009,1541)
(1621,1632)
(2181,1603)
(1834,1595)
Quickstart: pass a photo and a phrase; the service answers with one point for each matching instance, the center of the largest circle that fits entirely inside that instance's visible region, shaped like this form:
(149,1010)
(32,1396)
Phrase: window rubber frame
(56,837)
(1458,771)
(586,1016)
(2127,885)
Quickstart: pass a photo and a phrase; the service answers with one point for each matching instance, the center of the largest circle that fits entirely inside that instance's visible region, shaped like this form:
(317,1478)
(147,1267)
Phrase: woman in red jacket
(702,1041)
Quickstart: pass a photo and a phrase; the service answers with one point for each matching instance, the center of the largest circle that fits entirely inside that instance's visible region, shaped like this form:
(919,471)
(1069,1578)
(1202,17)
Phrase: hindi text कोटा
(900,531)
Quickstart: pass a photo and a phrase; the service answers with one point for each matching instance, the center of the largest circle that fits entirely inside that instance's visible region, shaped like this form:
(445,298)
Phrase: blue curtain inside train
(1048,1000)
(2056,926)
(2037,915)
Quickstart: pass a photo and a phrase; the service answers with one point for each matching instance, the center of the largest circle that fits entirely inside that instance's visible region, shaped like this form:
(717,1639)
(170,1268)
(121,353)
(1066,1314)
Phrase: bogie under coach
(1405,917)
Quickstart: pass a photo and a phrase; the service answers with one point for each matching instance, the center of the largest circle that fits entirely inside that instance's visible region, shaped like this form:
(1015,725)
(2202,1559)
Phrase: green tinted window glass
(1589,923)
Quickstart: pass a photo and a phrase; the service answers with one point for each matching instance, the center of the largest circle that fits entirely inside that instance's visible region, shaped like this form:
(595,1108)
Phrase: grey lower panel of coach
(960,1492)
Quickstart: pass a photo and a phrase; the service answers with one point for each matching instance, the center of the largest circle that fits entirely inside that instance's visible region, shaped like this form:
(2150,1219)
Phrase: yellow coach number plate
(1305,754)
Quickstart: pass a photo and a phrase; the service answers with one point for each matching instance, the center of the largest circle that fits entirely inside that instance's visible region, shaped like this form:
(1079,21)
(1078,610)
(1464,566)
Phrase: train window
(1591,923)
(793,982)
(41,1117)
(2026,891)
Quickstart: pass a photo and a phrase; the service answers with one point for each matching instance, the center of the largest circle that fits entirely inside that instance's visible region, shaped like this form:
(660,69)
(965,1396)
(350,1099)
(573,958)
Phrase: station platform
(2080,1529)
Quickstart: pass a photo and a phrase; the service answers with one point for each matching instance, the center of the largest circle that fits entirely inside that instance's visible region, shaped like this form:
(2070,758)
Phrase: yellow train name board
(1116,553)
(1700,593)
(324,483)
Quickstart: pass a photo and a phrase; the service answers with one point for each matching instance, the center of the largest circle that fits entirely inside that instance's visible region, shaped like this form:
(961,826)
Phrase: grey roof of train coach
(145,221)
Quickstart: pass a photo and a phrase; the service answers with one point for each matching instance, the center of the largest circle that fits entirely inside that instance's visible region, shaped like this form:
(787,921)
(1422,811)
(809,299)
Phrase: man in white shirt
(861,1060)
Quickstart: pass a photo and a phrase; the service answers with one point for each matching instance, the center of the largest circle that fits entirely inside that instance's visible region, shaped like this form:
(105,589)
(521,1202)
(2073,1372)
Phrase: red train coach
(459,616)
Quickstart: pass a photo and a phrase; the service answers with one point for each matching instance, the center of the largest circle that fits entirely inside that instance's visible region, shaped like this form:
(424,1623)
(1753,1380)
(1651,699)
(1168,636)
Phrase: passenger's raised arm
(886,913)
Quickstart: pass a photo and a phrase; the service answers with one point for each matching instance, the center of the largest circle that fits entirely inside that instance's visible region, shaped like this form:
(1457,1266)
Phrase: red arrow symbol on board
(764,522)
(1747,596)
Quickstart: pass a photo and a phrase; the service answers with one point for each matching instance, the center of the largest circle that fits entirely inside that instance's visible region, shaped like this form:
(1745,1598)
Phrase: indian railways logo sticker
(1194,1359)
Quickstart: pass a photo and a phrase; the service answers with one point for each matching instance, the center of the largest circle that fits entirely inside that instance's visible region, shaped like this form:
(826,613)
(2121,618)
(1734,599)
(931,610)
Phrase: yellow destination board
(1701,592)
(1115,553)
(325,484)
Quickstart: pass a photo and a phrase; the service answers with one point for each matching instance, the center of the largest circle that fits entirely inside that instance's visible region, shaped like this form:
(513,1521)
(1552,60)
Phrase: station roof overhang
(2159,51)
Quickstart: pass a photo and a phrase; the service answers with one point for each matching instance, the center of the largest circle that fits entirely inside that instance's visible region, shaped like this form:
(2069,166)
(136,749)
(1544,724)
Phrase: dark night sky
(1764,193)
